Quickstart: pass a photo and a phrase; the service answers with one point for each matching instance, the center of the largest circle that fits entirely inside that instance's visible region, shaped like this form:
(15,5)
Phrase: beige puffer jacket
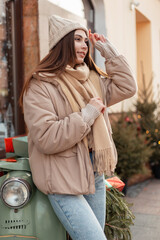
(58,158)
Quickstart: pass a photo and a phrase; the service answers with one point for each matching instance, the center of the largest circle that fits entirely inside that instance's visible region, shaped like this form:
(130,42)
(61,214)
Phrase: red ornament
(127,119)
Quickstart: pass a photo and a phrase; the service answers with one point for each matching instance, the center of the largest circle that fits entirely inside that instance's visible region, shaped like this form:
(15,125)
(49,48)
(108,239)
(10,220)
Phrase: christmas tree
(132,148)
(148,118)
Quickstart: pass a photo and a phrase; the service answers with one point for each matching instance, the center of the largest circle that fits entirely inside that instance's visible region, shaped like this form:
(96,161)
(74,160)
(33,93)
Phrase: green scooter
(25,212)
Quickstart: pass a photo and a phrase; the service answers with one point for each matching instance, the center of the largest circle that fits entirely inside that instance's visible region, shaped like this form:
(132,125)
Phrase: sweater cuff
(89,114)
(106,49)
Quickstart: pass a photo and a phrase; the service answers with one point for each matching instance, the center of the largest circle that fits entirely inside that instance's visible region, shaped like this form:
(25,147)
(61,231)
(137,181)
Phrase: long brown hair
(58,58)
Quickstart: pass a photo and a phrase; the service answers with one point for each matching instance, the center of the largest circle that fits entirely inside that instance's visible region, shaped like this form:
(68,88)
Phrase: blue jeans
(83,216)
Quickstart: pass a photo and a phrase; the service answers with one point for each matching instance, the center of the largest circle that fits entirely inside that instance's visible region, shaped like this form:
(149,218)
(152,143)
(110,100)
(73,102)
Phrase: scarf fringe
(103,162)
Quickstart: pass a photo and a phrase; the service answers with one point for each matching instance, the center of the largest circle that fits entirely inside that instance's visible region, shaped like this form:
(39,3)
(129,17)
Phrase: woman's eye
(77,39)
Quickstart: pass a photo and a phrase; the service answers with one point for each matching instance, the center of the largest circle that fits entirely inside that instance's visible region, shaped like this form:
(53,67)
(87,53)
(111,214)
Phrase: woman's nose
(85,45)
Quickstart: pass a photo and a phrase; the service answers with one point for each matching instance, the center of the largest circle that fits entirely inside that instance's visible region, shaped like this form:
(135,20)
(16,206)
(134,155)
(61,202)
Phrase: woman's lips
(82,54)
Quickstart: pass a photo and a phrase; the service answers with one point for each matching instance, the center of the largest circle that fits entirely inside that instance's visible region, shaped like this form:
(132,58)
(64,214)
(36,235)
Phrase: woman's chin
(79,61)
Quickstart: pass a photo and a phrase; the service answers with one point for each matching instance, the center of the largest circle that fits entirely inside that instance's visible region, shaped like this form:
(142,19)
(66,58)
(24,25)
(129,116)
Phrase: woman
(70,142)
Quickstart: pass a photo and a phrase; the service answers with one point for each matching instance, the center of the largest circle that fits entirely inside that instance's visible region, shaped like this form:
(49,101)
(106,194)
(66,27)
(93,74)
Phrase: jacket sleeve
(49,134)
(120,84)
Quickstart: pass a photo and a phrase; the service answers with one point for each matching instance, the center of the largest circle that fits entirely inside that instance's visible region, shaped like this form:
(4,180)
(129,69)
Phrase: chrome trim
(22,181)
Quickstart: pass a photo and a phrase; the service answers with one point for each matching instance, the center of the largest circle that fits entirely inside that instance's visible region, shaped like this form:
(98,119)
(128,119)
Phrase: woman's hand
(94,37)
(97,103)
(110,49)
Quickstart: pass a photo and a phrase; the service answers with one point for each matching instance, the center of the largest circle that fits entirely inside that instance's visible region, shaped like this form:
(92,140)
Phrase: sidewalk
(146,208)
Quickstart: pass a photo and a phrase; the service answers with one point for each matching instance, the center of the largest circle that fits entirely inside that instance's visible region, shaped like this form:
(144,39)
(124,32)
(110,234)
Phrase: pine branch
(115,227)
(118,216)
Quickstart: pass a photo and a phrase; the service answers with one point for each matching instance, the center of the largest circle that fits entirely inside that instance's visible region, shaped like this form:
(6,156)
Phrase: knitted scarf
(79,86)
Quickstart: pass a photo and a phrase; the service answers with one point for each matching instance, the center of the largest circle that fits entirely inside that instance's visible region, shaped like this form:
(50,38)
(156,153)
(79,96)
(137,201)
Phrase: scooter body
(25,212)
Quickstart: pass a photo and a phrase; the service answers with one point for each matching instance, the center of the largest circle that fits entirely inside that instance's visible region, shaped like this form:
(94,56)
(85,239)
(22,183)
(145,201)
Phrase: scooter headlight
(15,192)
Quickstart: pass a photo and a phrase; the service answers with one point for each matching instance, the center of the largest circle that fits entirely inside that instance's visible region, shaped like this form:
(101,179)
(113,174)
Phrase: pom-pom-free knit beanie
(59,27)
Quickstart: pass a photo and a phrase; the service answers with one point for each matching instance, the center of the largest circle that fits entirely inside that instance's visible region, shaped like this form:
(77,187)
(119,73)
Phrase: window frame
(15,75)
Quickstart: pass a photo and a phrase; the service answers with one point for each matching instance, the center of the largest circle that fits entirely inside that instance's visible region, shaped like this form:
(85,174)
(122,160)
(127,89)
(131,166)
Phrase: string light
(156,130)
(147,131)
(139,116)
(159,142)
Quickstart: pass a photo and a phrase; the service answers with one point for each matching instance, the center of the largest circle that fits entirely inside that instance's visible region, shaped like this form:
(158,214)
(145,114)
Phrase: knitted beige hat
(59,27)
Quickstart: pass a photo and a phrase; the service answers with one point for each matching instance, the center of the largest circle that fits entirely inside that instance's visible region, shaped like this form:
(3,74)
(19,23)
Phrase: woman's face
(81,47)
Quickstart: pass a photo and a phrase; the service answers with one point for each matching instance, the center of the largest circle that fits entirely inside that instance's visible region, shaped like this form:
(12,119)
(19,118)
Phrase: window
(82,8)
(70,6)
(89,14)
(11,77)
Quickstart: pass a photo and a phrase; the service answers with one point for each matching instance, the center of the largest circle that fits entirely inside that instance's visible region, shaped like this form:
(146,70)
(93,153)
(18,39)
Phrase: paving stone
(146,227)
(146,208)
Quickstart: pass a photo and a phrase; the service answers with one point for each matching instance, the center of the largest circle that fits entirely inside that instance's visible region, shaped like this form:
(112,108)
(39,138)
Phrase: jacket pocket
(71,152)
